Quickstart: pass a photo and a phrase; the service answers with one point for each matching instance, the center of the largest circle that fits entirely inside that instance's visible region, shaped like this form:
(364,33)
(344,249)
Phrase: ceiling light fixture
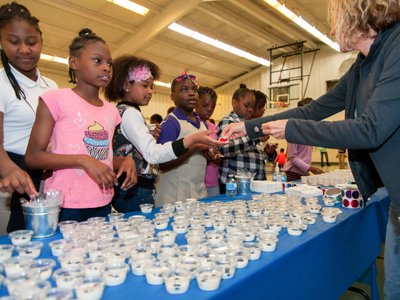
(163,84)
(54,58)
(132,6)
(303,24)
(218,44)
(64,61)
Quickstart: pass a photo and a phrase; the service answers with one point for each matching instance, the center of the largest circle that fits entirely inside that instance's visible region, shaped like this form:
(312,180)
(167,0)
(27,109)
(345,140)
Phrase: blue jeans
(82,214)
(391,288)
(129,200)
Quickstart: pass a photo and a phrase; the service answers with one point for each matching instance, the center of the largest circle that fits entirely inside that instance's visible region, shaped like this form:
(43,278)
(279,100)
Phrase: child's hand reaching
(212,154)
(128,167)
(19,180)
(202,137)
(99,172)
(155,130)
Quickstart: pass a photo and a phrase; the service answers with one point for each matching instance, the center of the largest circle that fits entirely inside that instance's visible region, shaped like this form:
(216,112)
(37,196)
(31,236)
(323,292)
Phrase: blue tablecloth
(320,264)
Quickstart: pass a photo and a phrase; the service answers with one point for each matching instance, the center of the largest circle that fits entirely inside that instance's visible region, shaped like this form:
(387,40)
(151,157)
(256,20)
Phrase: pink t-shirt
(80,128)
(212,171)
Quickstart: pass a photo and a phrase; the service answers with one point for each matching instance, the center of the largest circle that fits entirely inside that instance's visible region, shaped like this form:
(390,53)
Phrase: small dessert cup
(138,266)
(6,252)
(57,247)
(20,237)
(44,267)
(155,273)
(67,278)
(208,279)
(146,208)
(115,273)
(92,266)
(253,249)
(58,294)
(16,265)
(31,249)
(177,281)
(90,288)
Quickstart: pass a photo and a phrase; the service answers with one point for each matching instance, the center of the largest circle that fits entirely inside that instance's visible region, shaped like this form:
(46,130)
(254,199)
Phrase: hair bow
(185,76)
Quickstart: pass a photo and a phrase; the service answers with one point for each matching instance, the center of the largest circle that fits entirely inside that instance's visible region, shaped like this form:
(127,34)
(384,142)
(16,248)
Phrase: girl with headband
(132,86)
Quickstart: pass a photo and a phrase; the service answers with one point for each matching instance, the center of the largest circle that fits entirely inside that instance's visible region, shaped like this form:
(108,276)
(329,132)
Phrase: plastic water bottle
(277,174)
(283,177)
(231,186)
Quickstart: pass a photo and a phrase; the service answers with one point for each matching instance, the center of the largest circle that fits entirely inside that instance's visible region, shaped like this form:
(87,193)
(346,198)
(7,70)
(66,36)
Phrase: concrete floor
(366,288)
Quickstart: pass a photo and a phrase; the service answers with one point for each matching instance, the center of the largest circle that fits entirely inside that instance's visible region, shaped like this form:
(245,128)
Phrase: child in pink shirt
(80,126)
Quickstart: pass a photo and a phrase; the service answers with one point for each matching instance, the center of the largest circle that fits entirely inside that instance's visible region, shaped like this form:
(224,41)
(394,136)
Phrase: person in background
(264,146)
(324,153)
(370,96)
(241,153)
(80,126)
(156,119)
(183,177)
(299,156)
(210,120)
(21,84)
(281,158)
(170,109)
(259,106)
(341,156)
(132,86)
(205,108)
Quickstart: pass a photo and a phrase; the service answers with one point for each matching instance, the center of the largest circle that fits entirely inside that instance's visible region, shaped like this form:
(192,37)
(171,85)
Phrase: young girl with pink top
(79,125)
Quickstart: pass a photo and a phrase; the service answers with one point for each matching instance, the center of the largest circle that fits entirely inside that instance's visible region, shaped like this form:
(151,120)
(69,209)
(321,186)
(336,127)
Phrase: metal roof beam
(89,14)
(152,27)
(220,13)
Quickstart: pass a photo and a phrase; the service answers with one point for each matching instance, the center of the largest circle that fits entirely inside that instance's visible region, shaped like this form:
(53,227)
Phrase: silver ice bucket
(41,216)
(243,183)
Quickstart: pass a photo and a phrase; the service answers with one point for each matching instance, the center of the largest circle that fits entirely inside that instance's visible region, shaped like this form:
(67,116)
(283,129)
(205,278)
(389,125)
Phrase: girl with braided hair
(80,126)
(21,84)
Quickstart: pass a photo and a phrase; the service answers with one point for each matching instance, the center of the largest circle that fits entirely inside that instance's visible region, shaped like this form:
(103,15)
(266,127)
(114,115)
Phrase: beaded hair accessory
(140,73)
(185,76)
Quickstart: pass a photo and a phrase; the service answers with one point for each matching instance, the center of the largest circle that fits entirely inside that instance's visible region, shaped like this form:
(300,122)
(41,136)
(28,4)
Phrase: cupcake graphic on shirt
(96,141)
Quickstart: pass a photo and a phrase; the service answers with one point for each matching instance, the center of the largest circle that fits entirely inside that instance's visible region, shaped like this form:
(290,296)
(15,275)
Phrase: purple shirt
(298,159)
(170,128)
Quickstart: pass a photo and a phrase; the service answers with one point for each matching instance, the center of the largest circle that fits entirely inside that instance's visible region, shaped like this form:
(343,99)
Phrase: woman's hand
(128,167)
(275,128)
(18,180)
(234,131)
(99,172)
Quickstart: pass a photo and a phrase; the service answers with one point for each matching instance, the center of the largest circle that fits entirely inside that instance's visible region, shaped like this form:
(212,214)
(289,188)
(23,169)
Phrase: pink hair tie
(140,73)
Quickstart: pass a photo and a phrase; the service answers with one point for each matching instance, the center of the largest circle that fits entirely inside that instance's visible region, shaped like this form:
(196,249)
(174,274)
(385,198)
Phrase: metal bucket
(42,220)
(243,183)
